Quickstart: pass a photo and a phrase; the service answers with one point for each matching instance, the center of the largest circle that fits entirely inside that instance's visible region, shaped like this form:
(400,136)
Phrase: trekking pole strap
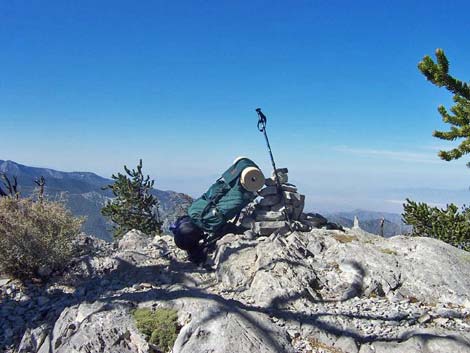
(261,121)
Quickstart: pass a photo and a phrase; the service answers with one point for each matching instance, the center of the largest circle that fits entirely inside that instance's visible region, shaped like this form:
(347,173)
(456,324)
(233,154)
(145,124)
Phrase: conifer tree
(133,206)
(459,116)
(447,224)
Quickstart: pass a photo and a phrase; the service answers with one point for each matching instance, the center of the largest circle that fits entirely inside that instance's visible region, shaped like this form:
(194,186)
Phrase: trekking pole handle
(262,120)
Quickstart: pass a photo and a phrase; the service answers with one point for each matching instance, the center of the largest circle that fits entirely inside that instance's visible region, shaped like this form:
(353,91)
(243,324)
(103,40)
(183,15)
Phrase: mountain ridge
(370,221)
(84,195)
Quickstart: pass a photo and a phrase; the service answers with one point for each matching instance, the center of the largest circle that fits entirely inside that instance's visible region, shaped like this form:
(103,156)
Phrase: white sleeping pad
(237,159)
(252,179)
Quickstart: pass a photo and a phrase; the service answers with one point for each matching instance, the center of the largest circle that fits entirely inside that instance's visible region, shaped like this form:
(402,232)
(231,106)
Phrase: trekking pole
(262,128)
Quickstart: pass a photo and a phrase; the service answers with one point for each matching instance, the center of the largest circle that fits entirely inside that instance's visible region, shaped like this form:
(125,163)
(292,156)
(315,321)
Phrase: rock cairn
(268,214)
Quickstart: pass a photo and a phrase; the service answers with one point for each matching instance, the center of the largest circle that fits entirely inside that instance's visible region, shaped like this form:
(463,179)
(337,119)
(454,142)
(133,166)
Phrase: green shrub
(447,224)
(134,206)
(160,326)
(35,237)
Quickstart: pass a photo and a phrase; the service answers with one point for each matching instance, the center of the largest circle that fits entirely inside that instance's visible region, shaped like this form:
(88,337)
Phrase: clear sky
(93,85)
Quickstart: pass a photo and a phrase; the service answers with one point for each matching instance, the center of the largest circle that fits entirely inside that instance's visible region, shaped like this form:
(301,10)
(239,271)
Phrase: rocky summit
(319,291)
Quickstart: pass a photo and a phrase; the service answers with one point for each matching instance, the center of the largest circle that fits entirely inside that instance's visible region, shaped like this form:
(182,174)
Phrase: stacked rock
(268,214)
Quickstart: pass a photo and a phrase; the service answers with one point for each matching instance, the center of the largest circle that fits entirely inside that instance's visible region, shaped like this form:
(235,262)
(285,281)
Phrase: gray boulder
(97,327)
(267,227)
(262,215)
(314,220)
(269,190)
(134,240)
(225,326)
(270,200)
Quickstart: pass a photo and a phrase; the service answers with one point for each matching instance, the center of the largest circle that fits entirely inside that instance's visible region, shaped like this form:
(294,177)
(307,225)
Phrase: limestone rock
(299,226)
(428,341)
(294,197)
(298,208)
(317,291)
(315,220)
(269,215)
(289,187)
(96,327)
(33,339)
(219,326)
(278,207)
(282,170)
(282,174)
(270,182)
(424,318)
(333,226)
(134,240)
(267,191)
(267,227)
(270,200)
(4,281)
(247,222)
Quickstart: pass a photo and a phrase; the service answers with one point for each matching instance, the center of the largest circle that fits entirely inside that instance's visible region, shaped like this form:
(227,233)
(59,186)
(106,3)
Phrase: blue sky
(94,85)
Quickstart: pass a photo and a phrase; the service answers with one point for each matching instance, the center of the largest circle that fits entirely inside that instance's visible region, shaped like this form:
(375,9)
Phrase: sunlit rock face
(317,291)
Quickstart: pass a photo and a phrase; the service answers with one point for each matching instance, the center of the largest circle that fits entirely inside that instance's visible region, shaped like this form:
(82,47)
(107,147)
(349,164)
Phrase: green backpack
(224,200)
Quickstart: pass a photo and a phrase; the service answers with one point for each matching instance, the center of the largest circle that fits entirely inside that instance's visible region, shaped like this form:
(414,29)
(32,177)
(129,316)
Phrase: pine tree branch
(438,74)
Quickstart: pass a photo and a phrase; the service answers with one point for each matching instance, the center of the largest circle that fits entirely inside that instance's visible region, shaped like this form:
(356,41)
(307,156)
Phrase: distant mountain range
(370,221)
(83,194)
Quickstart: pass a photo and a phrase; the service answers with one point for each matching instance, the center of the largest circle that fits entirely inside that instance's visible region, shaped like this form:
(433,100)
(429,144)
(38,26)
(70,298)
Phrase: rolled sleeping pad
(237,159)
(252,179)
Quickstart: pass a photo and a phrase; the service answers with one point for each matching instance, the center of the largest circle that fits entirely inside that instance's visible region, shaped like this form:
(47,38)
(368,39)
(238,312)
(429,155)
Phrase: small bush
(319,346)
(160,327)
(448,225)
(134,205)
(35,237)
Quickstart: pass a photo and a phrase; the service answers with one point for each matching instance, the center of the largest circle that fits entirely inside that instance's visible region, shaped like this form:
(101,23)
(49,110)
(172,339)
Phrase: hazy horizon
(338,200)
